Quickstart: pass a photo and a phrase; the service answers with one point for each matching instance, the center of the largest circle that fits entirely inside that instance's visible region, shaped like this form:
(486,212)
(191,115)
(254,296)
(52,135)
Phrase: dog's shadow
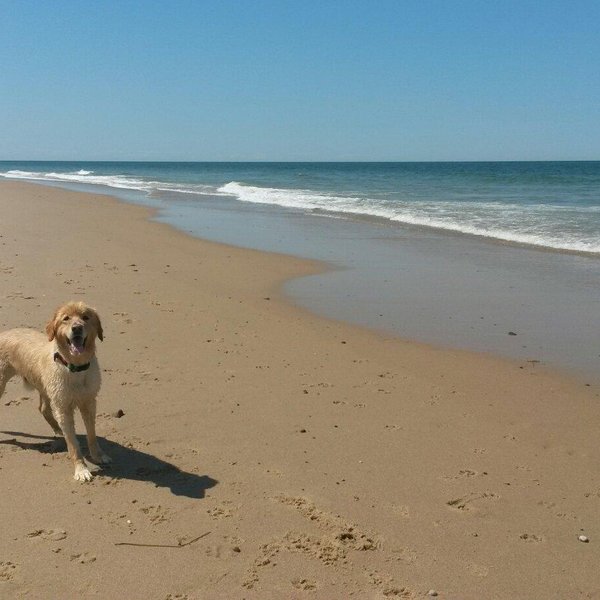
(128,463)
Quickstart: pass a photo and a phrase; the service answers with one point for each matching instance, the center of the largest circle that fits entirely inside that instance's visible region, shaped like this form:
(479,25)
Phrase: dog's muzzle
(77,340)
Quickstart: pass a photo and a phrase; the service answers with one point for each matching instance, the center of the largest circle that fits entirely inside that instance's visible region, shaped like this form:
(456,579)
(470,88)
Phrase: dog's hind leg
(46,411)
(6,372)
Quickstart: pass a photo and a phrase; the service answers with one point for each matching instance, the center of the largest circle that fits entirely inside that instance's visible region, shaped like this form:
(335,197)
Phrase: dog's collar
(73,368)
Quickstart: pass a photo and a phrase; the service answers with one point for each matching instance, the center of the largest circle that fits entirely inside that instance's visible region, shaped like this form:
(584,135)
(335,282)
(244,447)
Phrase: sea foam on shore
(549,204)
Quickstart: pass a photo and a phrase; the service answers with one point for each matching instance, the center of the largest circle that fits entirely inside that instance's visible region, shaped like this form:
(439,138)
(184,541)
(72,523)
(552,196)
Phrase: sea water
(459,254)
(547,204)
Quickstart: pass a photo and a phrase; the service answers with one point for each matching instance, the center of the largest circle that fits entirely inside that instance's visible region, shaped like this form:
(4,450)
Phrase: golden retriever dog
(62,366)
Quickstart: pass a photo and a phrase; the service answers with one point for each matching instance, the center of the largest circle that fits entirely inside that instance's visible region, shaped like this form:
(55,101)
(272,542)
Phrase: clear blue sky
(300,80)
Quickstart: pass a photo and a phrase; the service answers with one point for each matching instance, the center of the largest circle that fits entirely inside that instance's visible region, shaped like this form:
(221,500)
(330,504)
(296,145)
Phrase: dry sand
(269,453)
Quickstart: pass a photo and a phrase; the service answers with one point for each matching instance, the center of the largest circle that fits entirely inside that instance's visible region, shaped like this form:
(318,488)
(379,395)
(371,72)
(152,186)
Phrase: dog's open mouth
(77,344)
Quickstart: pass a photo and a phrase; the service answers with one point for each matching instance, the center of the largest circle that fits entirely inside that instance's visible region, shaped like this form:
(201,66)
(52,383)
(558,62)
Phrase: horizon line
(270,161)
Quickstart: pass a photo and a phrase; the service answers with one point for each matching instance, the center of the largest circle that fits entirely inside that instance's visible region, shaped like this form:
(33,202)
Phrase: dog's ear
(51,327)
(98,326)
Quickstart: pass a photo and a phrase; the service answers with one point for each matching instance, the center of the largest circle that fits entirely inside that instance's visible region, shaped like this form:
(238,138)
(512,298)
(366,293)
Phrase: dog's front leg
(88,413)
(67,424)
(46,410)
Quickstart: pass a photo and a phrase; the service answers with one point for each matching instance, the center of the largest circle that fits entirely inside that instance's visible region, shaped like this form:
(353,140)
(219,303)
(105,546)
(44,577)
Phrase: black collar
(73,368)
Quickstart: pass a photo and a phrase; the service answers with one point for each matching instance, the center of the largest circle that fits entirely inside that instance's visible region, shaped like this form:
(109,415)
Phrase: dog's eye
(66,318)
(85,318)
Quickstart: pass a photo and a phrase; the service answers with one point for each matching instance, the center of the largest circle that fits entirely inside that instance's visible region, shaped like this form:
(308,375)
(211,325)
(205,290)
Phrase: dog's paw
(103,459)
(82,473)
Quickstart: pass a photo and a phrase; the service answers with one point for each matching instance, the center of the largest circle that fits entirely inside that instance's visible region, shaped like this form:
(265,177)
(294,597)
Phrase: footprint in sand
(530,537)
(7,570)
(387,586)
(341,529)
(220,512)
(16,402)
(465,503)
(561,514)
(156,514)
(304,584)
(405,555)
(84,558)
(325,549)
(53,535)
(332,546)
(396,592)
(462,474)
(251,579)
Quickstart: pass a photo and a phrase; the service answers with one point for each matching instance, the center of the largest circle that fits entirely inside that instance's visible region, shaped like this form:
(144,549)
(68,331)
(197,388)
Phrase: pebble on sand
(584,538)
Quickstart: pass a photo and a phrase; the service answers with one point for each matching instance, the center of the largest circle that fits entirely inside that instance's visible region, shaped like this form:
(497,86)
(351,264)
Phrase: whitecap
(541,225)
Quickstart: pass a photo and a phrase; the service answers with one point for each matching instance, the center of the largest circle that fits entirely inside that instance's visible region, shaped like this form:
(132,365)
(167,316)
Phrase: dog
(63,368)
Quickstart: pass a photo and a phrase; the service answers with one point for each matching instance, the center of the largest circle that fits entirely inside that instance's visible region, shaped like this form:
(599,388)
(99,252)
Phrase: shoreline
(140,180)
(121,193)
(435,287)
(297,292)
(323,459)
(385,280)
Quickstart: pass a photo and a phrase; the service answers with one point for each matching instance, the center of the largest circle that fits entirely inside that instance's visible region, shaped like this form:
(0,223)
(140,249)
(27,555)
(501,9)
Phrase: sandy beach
(264,452)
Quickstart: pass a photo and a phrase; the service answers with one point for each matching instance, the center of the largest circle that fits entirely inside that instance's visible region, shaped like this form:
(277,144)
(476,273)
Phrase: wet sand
(264,452)
(449,290)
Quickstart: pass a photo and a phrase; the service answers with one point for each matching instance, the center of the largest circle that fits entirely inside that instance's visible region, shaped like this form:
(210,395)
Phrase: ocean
(552,205)
(464,255)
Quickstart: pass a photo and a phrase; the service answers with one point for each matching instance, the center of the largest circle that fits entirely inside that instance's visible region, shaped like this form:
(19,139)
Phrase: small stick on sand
(163,545)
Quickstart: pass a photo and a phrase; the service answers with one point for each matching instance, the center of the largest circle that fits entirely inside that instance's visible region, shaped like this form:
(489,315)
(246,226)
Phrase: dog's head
(75,327)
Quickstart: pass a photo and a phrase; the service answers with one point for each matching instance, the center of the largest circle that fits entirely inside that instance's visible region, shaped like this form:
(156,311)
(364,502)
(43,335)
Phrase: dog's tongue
(77,346)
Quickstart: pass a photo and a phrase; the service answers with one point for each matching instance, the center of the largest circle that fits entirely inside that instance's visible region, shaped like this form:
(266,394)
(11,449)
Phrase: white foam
(114,181)
(16,174)
(506,222)
(544,225)
(80,177)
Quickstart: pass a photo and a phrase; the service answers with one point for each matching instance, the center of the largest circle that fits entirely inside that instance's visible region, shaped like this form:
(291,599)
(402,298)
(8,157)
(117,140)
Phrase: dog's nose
(77,329)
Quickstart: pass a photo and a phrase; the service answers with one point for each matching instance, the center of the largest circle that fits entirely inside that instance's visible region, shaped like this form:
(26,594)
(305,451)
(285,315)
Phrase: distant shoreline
(300,162)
